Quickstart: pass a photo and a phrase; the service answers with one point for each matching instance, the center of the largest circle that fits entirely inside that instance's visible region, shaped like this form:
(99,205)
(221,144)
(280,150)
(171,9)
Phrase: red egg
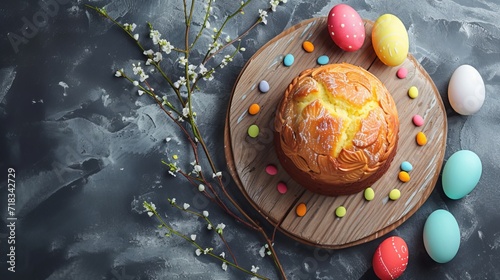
(391,258)
(346,28)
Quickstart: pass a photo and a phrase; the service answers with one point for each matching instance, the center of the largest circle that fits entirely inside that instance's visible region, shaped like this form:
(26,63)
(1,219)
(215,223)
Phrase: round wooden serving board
(248,157)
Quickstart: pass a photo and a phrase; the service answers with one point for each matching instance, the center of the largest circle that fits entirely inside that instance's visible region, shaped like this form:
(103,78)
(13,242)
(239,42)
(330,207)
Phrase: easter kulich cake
(336,129)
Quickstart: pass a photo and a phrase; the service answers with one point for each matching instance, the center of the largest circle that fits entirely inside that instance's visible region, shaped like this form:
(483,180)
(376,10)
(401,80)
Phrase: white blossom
(136,37)
(205,213)
(242,49)
(183,60)
(223,255)
(155,35)
(207,24)
(254,269)
(186,206)
(180,82)
(220,227)
(118,73)
(185,113)
(165,101)
(262,251)
(135,83)
(218,174)
(165,46)
(150,209)
(197,252)
(140,92)
(201,187)
(263,16)
(158,57)
(228,39)
(148,52)
(284,1)
(224,266)
(209,227)
(172,201)
(130,27)
(202,70)
(274,4)
(193,237)
(197,168)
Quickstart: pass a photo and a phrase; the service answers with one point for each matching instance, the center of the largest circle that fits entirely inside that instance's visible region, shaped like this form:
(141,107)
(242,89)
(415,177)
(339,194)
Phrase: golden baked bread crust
(336,129)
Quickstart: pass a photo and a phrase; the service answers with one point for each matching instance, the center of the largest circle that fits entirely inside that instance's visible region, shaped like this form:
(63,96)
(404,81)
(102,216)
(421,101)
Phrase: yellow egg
(390,40)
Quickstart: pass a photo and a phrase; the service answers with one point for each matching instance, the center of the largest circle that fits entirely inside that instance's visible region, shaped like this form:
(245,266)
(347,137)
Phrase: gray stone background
(87,149)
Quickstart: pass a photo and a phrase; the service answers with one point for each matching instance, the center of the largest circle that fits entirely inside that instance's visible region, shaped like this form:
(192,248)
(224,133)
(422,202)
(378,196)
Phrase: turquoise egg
(461,173)
(441,236)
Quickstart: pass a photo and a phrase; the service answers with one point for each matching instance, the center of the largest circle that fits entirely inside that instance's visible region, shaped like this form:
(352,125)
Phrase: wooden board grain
(248,157)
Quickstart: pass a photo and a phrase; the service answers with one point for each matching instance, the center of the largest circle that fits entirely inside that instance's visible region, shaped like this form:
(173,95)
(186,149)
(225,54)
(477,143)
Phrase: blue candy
(288,60)
(323,60)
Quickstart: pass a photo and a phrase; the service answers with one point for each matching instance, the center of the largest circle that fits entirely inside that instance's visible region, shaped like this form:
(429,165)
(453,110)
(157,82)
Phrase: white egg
(466,90)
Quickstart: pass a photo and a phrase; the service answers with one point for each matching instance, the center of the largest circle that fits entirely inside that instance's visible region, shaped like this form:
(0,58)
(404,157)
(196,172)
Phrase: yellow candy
(308,46)
(395,194)
(390,40)
(413,92)
(301,210)
(340,211)
(369,194)
(404,176)
(421,138)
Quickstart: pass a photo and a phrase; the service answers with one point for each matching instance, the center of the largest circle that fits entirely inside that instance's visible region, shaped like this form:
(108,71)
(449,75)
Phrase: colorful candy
(369,194)
(288,60)
(413,92)
(253,131)
(308,46)
(394,194)
(418,120)
(323,60)
(340,211)
(402,72)
(271,169)
(404,176)
(282,188)
(406,166)
(421,138)
(254,109)
(264,86)
(301,210)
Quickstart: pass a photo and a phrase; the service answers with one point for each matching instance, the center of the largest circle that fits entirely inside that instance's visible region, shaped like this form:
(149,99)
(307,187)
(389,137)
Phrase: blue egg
(263,86)
(406,166)
(441,236)
(288,60)
(461,173)
(322,60)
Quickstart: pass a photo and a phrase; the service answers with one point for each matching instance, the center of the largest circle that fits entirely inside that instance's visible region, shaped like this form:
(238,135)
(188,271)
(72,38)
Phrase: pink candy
(282,188)
(402,72)
(271,170)
(418,120)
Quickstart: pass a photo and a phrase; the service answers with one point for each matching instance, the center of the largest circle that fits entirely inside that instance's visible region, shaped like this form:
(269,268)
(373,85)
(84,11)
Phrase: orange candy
(254,109)
(301,210)
(421,138)
(308,46)
(404,176)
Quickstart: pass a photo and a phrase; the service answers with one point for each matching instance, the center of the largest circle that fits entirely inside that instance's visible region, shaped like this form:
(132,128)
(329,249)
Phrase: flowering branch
(185,118)
(151,210)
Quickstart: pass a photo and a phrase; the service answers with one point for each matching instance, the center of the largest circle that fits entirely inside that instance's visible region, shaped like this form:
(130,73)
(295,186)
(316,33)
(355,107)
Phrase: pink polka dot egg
(346,28)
